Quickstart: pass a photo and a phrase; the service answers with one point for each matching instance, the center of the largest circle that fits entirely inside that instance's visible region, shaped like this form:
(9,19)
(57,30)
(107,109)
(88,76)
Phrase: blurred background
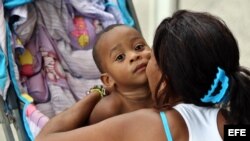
(235,13)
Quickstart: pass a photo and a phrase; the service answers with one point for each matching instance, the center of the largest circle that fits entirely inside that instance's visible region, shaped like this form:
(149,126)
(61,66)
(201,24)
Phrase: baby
(121,54)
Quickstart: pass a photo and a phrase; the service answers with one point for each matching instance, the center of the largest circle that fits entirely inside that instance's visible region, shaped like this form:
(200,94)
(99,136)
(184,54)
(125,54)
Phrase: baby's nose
(134,57)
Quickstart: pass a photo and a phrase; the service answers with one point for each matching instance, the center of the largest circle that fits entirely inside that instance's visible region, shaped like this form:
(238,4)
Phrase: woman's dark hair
(189,47)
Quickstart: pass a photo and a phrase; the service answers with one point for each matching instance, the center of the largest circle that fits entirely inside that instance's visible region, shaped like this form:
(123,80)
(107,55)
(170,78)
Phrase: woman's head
(191,51)
(188,48)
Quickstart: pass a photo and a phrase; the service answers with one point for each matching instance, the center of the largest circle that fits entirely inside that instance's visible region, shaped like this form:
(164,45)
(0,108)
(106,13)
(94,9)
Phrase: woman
(194,67)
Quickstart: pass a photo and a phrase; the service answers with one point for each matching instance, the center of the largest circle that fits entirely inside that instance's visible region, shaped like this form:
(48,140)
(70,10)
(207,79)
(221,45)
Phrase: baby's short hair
(95,53)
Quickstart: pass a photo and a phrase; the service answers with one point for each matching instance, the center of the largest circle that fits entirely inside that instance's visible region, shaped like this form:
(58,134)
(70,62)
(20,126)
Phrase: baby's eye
(139,47)
(120,57)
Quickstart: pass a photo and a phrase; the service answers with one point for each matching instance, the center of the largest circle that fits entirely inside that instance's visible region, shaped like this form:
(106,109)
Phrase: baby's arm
(107,107)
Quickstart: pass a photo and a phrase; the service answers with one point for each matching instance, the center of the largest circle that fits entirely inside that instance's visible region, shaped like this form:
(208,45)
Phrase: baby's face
(125,56)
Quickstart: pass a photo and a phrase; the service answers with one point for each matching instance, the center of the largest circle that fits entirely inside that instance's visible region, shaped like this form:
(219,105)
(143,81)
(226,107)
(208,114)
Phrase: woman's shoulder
(147,120)
(143,124)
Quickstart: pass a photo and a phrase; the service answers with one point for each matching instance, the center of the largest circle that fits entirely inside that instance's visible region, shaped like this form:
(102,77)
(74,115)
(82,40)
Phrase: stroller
(46,57)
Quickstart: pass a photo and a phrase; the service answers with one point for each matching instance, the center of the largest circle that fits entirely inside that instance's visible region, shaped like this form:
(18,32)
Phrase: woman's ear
(107,80)
(163,85)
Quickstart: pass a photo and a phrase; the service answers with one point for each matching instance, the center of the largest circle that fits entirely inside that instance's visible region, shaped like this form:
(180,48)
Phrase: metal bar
(14,105)
(5,122)
(133,14)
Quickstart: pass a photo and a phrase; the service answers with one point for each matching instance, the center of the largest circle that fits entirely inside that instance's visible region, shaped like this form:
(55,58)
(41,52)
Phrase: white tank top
(201,122)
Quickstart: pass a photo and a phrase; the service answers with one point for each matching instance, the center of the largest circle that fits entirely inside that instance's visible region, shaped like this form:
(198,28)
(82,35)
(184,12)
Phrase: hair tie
(217,98)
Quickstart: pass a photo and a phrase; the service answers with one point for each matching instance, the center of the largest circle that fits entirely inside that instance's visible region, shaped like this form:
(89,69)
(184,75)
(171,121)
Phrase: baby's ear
(107,80)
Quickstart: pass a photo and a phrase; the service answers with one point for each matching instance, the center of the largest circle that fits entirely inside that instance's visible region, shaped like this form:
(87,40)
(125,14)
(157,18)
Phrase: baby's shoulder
(110,100)
(109,105)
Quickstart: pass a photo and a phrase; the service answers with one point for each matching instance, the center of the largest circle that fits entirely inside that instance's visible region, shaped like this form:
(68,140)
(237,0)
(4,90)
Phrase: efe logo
(237,132)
